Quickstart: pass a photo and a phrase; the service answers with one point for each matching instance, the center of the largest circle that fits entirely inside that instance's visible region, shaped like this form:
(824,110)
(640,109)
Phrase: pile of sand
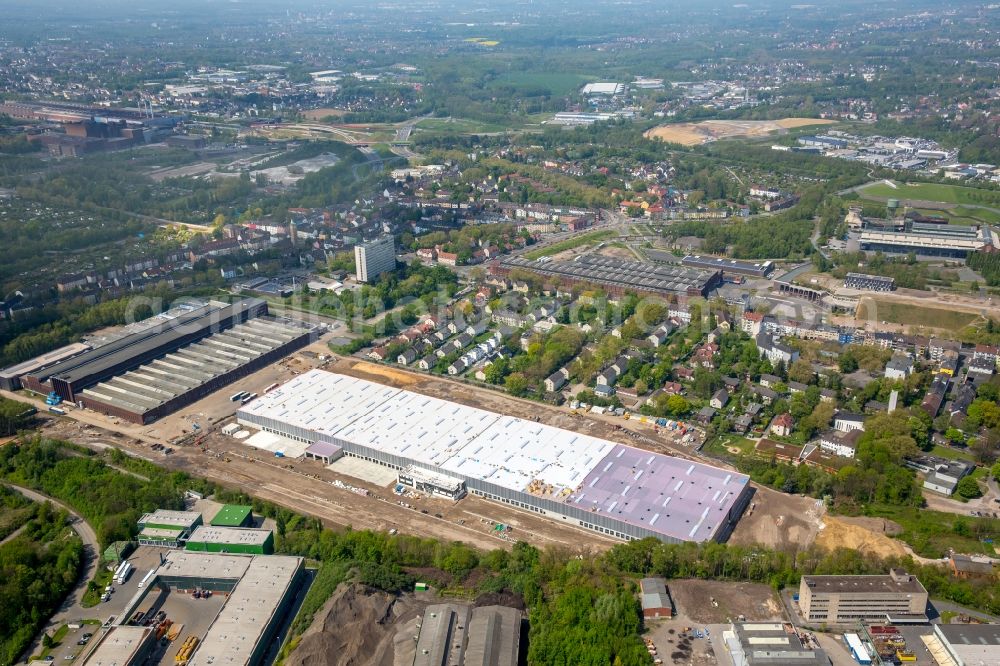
(840,533)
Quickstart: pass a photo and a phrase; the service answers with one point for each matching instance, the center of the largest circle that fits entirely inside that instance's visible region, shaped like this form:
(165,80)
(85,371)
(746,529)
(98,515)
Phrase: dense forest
(38,568)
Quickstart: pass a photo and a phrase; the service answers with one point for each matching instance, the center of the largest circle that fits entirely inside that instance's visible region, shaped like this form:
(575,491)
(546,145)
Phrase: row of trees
(38,568)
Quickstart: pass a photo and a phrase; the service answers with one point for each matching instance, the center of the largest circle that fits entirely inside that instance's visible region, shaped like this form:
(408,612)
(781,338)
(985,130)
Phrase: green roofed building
(232,540)
(233,515)
(167,528)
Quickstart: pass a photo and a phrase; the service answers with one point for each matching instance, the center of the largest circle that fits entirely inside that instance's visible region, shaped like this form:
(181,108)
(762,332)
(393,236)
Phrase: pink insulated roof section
(676,497)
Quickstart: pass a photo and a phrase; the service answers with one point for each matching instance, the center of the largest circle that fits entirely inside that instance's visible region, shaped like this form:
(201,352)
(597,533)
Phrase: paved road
(70,608)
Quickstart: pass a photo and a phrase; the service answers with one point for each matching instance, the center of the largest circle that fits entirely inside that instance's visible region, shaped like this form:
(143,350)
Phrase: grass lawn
(951,453)
(932,533)
(557,83)
(591,238)
(720,446)
(914,315)
(95,588)
(458,126)
(955,194)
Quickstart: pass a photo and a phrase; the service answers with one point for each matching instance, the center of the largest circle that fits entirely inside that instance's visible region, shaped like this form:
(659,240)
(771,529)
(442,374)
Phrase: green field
(932,533)
(556,83)
(458,126)
(914,315)
(937,192)
(592,238)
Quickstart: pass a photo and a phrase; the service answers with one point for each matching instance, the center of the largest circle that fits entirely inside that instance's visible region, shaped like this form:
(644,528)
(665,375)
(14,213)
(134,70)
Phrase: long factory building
(153,372)
(71,376)
(618,277)
(160,387)
(450,449)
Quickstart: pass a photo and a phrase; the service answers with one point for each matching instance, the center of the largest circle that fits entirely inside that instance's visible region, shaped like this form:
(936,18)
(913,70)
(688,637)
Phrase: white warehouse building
(450,449)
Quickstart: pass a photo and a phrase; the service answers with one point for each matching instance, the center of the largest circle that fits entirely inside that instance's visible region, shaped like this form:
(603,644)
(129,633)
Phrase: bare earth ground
(693,600)
(360,627)
(320,114)
(870,536)
(693,134)
(780,521)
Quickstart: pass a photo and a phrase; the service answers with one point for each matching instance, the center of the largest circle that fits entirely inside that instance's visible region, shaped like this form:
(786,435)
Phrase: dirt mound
(505,598)
(356,627)
(868,538)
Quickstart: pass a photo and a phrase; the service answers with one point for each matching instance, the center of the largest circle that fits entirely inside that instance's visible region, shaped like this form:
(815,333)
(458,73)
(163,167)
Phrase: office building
(897,598)
(167,528)
(449,449)
(373,258)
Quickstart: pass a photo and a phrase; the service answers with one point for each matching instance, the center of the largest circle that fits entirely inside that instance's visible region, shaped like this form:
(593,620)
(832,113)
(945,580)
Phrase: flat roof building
(238,540)
(167,528)
(897,598)
(869,282)
(163,385)
(655,599)
(70,377)
(758,269)
(933,240)
(970,644)
(606,487)
(260,592)
(618,277)
(122,645)
(233,515)
(10,378)
(770,644)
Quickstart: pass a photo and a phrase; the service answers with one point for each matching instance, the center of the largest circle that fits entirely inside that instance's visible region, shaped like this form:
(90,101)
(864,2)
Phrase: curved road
(70,608)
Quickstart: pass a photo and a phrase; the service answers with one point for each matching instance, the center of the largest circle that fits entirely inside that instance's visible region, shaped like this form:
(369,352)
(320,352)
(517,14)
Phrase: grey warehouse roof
(676,498)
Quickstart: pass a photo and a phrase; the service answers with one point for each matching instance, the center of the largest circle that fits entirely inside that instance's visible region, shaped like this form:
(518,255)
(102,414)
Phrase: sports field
(909,314)
(935,192)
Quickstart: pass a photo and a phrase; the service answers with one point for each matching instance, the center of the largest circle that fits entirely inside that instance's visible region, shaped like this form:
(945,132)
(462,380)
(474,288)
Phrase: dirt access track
(695,134)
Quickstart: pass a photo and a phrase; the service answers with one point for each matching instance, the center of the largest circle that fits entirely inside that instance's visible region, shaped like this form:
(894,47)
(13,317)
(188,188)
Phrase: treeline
(112,502)
(37,570)
(45,329)
(14,416)
(988,265)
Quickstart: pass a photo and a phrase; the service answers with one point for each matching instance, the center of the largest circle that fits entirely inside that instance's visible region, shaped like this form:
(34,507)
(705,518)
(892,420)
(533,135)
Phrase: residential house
(797,387)
(705,415)
(407,357)
(775,350)
(981,365)
(782,425)
(742,424)
(847,421)
(719,399)
(458,367)
(556,380)
(899,367)
(769,380)
(379,353)
(766,395)
(840,443)
(660,335)
(427,362)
